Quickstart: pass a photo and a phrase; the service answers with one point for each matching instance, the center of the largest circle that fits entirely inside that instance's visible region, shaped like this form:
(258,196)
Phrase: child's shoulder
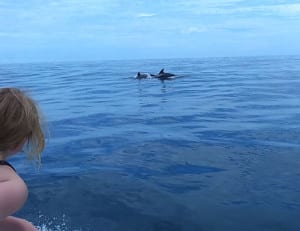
(13,191)
(4,162)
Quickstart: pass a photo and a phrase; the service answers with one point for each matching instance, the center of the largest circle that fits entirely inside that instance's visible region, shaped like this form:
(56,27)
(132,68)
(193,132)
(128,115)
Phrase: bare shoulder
(13,192)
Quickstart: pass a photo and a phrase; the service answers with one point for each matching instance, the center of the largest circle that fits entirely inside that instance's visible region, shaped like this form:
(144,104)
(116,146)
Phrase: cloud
(237,7)
(114,23)
(194,29)
(145,15)
(282,9)
(19,35)
(264,10)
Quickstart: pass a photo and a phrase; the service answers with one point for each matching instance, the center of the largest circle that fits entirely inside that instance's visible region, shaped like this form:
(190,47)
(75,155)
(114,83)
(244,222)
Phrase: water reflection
(114,202)
(164,97)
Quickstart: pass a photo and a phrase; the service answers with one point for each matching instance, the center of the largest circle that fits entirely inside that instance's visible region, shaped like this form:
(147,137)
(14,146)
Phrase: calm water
(217,148)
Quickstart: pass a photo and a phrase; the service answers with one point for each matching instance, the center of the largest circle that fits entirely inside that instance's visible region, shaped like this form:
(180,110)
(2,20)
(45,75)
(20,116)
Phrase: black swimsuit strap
(4,162)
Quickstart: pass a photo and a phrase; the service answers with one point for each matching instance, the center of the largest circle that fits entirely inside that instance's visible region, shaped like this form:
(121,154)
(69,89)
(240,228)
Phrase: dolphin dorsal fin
(161,71)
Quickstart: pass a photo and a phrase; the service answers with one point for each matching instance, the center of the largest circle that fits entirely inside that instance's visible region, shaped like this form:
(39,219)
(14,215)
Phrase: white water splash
(52,224)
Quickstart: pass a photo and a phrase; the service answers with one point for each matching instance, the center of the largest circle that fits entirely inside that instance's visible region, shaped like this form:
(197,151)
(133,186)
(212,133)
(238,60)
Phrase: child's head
(19,124)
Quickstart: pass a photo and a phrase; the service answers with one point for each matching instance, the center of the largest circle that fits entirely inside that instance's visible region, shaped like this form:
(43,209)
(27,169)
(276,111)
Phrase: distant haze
(80,30)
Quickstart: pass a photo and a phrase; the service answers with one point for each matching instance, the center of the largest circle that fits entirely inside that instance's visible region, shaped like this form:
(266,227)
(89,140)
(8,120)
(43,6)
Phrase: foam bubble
(45,223)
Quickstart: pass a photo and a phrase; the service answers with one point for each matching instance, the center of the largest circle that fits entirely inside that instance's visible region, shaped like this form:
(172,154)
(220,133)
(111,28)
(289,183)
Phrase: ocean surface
(215,148)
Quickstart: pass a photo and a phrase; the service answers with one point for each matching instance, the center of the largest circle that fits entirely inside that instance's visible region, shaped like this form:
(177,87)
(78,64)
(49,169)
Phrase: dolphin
(162,75)
(140,75)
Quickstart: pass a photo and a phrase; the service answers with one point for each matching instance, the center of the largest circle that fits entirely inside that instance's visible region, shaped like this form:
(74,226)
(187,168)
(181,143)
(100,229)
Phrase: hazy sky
(56,30)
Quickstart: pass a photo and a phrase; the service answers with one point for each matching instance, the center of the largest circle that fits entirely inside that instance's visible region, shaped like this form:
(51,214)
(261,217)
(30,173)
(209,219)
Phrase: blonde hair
(20,120)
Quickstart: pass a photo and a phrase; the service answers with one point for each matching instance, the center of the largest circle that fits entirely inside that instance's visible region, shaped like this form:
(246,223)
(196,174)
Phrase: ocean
(215,148)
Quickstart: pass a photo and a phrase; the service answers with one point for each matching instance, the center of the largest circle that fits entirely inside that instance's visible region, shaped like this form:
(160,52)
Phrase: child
(19,126)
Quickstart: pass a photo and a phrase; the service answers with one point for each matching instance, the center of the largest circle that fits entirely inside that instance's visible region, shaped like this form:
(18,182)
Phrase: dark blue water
(216,148)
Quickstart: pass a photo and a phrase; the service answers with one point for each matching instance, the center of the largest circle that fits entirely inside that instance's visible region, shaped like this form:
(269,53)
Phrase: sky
(87,30)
